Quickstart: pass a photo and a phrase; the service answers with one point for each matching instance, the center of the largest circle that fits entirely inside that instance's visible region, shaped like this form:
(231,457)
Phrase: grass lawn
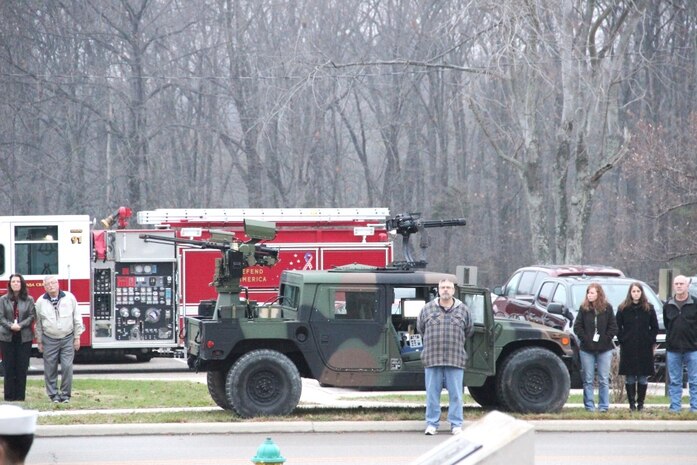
(124,394)
(119,394)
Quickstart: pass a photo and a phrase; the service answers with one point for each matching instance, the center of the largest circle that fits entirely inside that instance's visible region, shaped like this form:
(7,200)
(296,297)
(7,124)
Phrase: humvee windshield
(289,296)
(407,303)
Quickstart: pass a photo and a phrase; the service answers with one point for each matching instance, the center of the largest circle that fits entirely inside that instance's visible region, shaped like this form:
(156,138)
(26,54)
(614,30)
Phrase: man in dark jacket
(680,318)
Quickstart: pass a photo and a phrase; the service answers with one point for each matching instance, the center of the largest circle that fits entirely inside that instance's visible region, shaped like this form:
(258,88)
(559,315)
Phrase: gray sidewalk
(316,396)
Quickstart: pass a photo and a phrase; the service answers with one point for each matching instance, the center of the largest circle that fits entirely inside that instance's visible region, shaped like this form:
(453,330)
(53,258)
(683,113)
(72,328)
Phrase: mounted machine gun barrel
(405,225)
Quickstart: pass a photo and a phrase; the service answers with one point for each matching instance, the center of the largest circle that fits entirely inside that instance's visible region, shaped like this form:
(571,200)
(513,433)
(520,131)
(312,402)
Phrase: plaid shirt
(444,332)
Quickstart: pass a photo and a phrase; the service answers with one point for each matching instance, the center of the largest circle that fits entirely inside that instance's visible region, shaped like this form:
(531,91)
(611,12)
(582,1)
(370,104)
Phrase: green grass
(126,394)
(421,399)
(118,394)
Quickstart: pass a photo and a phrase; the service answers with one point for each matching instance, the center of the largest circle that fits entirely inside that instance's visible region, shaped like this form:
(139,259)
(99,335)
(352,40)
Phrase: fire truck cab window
(36,250)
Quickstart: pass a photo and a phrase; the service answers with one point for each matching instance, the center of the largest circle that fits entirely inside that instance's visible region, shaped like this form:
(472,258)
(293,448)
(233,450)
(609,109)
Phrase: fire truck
(134,295)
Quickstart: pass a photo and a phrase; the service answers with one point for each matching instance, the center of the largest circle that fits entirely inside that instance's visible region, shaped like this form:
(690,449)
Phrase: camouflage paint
(358,353)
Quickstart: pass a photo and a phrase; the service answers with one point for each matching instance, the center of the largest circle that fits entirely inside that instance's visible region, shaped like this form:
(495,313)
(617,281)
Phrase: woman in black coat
(637,327)
(16,333)
(595,327)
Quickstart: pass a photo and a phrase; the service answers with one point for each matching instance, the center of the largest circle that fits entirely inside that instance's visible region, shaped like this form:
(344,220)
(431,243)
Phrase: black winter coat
(681,325)
(584,327)
(636,331)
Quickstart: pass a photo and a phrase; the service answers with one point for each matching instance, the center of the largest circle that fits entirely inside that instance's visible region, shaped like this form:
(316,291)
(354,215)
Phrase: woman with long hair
(637,326)
(595,327)
(16,333)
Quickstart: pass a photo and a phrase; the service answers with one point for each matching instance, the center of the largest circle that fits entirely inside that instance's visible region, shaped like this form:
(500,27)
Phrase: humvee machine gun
(407,224)
(354,327)
(235,256)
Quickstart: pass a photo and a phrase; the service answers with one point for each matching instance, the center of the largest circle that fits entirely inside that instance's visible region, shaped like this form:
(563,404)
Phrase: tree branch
(421,64)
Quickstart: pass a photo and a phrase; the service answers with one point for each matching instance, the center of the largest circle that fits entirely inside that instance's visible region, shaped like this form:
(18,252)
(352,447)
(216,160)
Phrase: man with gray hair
(444,323)
(680,319)
(58,329)
(17,427)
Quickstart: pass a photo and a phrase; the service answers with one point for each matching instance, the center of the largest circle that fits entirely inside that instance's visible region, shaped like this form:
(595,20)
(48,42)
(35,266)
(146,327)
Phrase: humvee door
(348,323)
(480,347)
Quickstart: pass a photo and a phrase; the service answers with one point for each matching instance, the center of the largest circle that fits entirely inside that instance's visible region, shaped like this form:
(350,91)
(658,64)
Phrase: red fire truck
(133,294)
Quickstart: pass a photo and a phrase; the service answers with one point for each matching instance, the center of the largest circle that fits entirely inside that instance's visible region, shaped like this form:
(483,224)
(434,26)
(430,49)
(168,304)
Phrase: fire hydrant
(267,453)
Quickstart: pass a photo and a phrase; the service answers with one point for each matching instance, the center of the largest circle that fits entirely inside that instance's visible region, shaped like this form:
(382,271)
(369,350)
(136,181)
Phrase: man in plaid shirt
(444,324)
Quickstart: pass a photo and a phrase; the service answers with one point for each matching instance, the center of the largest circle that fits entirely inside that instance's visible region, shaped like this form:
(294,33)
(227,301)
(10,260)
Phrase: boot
(631,395)
(641,395)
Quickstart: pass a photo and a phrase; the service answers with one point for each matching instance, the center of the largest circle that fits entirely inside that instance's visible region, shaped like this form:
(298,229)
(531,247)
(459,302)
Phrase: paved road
(382,448)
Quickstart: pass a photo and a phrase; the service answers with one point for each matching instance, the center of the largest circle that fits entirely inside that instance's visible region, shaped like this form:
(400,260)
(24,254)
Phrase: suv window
(512,285)
(560,295)
(545,293)
(693,285)
(527,281)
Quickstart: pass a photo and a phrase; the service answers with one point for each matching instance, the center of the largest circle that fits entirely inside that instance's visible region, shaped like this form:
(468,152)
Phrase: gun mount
(405,225)
(236,255)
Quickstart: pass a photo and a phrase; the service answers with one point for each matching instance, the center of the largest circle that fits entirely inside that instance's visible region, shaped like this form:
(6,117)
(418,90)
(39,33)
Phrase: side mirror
(556,308)
(559,309)
(498,290)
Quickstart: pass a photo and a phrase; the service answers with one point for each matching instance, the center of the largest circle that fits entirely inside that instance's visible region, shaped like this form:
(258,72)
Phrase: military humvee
(355,327)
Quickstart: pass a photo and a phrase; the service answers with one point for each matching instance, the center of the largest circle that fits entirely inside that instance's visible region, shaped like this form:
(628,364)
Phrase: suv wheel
(263,383)
(533,380)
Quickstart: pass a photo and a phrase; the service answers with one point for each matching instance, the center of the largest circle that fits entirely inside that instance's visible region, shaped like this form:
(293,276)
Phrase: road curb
(252,427)
(597,426)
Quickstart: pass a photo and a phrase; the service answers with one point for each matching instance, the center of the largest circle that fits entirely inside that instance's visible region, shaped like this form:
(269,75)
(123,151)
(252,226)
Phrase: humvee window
(475,303)
(352,304)
(289,296)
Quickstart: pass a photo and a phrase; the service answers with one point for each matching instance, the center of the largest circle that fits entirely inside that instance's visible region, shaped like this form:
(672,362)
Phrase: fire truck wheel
(263,383)
(533,380)
(144,357)
(216,388)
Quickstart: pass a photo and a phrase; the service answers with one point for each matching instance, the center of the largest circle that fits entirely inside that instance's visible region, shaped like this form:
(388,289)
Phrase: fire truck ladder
(163,216)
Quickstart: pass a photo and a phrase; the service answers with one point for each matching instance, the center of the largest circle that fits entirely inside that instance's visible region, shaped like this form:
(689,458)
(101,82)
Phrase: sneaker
(65,400)
(431,431)
(456,430)
(56,400)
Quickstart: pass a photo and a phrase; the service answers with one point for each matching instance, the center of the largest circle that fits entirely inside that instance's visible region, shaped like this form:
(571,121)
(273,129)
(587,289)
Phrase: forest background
(563,130)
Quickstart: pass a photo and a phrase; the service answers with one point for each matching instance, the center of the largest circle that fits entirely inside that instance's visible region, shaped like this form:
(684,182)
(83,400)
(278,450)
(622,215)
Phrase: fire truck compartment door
(127,246)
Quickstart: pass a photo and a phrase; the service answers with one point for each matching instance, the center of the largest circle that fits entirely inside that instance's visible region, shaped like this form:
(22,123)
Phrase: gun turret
(236,255)
(406,224)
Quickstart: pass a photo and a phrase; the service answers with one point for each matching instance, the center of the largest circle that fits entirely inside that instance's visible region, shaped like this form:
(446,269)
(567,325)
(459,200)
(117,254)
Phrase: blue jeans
(452,377)
(588,362)
(674,363)
(633,379)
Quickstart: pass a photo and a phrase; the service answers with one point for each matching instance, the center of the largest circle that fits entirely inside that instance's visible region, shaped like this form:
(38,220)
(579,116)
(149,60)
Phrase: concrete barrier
(496,439)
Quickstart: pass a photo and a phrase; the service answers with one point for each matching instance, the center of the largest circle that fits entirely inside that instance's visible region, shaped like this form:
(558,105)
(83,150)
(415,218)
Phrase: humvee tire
(216,388)
(263,383)
(533,380)
(485,395)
